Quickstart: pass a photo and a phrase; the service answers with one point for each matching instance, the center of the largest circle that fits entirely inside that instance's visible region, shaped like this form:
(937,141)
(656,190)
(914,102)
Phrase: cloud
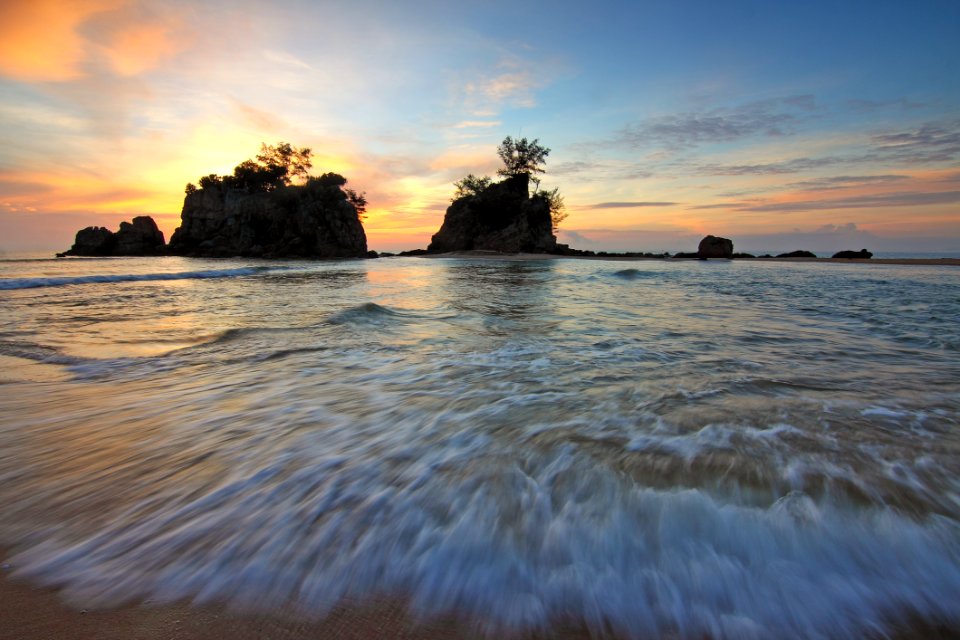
(512,83)
(55,41)
(593,171)
(866,106)
(473,124)
(928,142)
(282,57)
(796,165)
(900,199)
(845,182)
(262,121)
(628,205)
(687,130)
(40,41)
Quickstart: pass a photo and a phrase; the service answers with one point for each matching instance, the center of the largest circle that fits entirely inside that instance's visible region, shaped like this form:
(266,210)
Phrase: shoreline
(38,613)
(496,255)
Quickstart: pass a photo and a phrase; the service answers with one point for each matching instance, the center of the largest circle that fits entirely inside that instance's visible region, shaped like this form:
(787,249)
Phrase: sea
(647,448)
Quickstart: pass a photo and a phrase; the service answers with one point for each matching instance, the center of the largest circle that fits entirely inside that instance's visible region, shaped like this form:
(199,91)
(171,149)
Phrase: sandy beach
(30,613)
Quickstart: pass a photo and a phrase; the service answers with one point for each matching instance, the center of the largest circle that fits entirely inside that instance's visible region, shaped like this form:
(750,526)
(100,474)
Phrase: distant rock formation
(315,220)
(502,217)
(863,254)
(141,237)
(797,254)
(715,247)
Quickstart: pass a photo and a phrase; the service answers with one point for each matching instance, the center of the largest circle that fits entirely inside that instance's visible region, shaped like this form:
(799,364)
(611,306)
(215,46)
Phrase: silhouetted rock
(314,220)
(503,217)
(715,247)
(686,255)
(863,254)
(141,237)
(797,254)
(372,254)
(414,252)
(92,241)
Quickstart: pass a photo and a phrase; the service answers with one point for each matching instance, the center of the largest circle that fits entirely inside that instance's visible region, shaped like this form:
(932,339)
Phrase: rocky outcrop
(314,220)
(503,217)
(715,247)
(141,237)
(863,254)
(797,254)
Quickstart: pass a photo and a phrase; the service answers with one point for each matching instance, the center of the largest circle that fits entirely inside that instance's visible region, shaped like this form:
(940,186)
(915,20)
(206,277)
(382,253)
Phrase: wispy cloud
(928,142)
(259,119)
(687,130)
(477,124)
(900,199)
(628,205)
(285,58)
(844,182)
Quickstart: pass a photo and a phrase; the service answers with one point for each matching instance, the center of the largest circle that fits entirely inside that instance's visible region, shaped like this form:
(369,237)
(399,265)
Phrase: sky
(781,125)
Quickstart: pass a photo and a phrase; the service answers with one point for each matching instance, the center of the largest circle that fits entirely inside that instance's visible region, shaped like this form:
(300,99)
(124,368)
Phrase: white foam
(32,283)
(451,521)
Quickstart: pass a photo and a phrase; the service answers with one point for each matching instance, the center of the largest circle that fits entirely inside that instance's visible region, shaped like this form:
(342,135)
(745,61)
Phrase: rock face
(141,237)
(863,254)
(797,254)
(715,247)
(92,241)
(311,221)
(503,217)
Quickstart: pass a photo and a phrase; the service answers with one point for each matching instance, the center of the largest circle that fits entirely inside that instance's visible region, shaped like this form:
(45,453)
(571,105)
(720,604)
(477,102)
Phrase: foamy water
(721,449)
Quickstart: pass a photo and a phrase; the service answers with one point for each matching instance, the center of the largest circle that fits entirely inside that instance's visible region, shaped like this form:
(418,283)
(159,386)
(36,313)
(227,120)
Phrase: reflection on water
(691,449)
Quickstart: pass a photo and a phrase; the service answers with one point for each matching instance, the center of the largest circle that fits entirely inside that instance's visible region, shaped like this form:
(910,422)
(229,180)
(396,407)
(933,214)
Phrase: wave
(368,312)
(517,549)
(33,283)
(633,274)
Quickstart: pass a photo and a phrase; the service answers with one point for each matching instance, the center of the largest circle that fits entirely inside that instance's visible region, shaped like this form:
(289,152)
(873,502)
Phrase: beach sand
(31,613)
(496,255)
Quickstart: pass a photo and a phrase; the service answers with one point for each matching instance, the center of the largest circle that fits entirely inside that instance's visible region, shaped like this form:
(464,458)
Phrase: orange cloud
(40,40)
(51,40)
(141,47)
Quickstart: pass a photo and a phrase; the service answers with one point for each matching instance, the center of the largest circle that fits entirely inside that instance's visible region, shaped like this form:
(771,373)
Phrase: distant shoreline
(496,255)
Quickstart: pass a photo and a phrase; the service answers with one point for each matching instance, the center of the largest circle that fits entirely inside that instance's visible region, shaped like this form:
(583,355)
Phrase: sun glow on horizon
(111,107)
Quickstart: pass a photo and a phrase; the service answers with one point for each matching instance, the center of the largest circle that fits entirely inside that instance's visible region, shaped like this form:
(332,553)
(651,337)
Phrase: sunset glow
(780,127)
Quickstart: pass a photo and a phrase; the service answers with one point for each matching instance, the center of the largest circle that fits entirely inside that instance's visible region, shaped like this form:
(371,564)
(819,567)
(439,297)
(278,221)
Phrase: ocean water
(695,449)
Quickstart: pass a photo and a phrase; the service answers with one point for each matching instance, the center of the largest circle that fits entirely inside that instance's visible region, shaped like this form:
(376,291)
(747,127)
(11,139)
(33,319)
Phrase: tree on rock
(285,161)
(275,166)
(471,186)
(521,156)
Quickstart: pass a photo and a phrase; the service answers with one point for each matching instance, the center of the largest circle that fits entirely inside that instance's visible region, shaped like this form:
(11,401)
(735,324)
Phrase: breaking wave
(33,283)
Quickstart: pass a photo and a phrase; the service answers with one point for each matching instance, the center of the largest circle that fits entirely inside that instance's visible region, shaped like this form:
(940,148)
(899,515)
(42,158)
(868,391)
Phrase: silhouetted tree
(359,202)
(471,186)
(557,207)
(521,156)
(212,180)
(285,160)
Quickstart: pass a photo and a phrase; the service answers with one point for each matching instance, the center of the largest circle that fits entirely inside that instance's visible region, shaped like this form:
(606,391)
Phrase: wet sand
(31,613)
(496,255)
